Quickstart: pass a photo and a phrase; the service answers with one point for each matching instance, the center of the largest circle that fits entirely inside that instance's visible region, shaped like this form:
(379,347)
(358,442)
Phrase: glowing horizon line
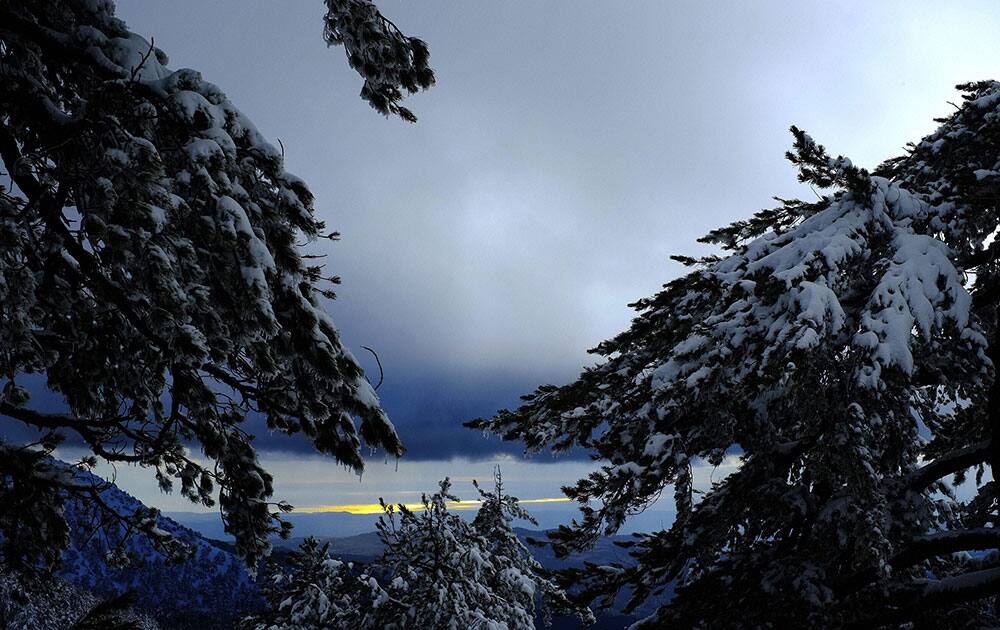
(375,508)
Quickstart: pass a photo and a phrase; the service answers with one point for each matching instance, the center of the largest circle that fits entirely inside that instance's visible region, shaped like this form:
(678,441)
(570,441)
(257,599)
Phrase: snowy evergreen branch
(149,268)
(390,62)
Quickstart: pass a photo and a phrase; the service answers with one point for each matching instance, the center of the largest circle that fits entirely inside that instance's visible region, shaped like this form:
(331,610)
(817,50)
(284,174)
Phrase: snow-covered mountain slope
(205,592)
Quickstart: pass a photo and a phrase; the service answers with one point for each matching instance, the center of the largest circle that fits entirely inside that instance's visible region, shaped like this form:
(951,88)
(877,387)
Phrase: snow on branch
(391,63)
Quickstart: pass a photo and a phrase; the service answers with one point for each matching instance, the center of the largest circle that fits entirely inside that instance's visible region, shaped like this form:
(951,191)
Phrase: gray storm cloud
(567,150)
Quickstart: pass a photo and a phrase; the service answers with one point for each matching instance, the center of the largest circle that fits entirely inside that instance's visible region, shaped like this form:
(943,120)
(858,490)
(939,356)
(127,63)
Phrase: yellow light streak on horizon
(375,508)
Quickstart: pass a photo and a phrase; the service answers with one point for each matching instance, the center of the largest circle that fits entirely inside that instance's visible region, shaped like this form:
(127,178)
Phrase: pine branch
(947,464)
(937,594)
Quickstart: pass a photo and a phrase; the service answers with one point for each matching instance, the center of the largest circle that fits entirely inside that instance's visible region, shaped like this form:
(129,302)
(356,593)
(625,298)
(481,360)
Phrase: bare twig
(381,374)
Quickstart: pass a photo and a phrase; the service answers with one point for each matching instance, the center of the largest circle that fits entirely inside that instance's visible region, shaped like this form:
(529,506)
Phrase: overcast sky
(567,150)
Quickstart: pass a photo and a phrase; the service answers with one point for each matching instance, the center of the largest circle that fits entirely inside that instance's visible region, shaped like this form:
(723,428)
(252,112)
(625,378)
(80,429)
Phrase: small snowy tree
(824,348)
(530,581)
(314,592)
(149,269)
(437,571)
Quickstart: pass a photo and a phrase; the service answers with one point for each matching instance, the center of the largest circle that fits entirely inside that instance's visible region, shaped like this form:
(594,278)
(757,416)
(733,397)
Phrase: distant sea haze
(325,524)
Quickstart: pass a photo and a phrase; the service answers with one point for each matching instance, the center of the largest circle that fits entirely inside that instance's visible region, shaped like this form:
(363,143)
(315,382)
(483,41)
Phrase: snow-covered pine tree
(311,591)
(495,522)
(844,350)
(149,269)
(956,170)
(438,571)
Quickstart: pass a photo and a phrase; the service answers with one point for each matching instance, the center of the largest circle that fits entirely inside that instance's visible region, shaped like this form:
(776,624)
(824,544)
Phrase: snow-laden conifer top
(832,344)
